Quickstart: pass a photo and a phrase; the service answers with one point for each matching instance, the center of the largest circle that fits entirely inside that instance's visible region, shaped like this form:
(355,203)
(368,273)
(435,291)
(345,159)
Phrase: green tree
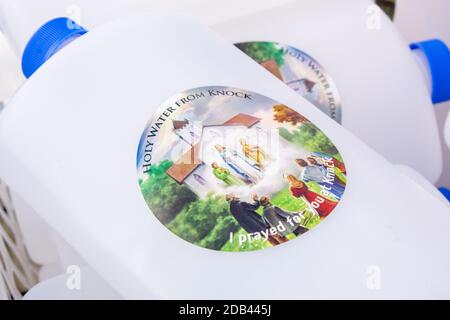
(200,218)
(308,136)
(164,196)
(285,134)
(262,51)
(220,234)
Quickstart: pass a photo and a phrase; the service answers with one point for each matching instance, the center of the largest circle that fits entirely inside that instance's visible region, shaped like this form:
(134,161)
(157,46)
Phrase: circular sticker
(299,71)
(232,170)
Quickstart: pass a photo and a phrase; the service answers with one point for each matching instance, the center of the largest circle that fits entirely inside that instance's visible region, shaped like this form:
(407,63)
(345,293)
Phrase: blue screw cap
(445,192)
(48,40)
(438,57)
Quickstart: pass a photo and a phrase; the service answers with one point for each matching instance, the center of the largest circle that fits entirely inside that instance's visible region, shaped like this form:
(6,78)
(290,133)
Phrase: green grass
(286,201)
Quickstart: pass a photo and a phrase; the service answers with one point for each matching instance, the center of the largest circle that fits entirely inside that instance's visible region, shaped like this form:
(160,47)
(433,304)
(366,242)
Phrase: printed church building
(193,169)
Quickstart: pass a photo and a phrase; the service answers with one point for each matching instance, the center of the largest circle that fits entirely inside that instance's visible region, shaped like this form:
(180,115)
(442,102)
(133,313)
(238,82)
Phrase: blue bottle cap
(445,192)
(46,41)
(438,57)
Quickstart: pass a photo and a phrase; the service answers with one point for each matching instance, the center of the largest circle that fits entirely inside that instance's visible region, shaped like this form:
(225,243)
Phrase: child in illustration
(275,216)
(225,175)
(339,167)
(318,173)
(339,176)
(299,189)
(249,220)
(231,159)
(255,153)
(320,156)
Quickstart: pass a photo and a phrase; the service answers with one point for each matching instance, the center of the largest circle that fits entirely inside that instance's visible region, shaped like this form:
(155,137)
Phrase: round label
(232,170)
(299,71)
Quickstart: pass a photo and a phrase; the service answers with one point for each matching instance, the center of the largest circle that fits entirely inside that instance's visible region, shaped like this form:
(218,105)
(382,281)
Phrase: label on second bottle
(299,71)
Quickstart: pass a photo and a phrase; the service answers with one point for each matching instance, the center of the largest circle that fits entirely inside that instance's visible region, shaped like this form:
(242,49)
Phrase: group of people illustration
(247,166)
(327,171)
(273,217)
(321,204)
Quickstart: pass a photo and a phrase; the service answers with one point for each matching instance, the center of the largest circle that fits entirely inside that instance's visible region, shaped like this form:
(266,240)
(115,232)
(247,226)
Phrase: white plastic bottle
(360,71)
(183,99)
(350,62)
(20,18)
